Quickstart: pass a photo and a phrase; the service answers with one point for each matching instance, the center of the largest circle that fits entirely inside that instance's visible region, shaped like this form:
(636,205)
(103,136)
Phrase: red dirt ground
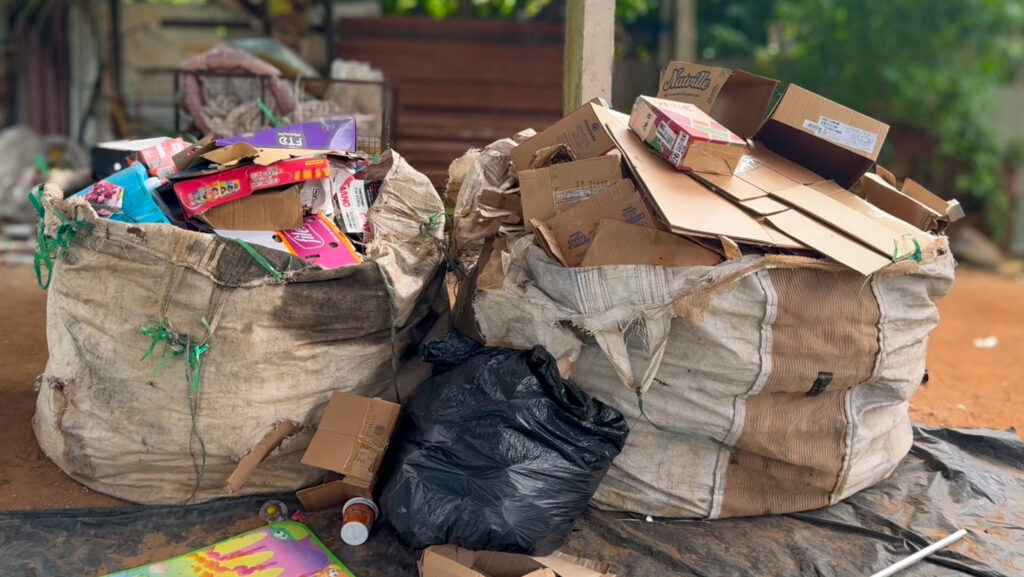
(969,387)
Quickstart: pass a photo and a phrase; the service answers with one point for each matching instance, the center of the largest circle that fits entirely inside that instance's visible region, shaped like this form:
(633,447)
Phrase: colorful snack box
(202,193)
(686,136)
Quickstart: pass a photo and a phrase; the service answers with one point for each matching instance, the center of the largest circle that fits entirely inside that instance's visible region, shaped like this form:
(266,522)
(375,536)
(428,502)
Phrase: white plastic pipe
(907,562)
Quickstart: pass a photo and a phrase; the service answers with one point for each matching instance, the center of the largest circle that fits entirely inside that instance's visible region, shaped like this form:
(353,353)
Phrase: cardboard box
(582,131)
(156,154)
(334,491)
(337,133)
(913,204)
(351,441)
(568,236)
(550,190)
(354,199)
(453,561)
(737,99)
(201,193)
(830,139)
(273,210)
(686,136)
(620,243)
(193,154)
(315,196)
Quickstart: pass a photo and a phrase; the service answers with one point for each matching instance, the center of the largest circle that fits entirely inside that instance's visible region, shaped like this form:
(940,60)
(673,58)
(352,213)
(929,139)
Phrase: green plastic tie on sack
(640,403)
(267,112)
(42,167)
(181,345)
(426,233)
(260,259)
(915,256)
(46,247)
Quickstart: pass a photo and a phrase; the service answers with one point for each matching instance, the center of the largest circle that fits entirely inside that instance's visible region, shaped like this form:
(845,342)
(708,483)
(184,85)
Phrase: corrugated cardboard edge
(248,464)
(458,562)
(548,241)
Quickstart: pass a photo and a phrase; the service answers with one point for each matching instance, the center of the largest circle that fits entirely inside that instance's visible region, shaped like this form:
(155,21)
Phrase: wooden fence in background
(459,84)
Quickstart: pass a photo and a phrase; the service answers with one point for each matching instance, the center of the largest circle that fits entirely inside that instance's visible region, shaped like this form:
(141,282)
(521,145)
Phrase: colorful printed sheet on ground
(283,549)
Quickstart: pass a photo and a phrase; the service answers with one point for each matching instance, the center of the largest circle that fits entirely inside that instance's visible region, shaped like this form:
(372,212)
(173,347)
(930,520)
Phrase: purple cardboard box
(337,133)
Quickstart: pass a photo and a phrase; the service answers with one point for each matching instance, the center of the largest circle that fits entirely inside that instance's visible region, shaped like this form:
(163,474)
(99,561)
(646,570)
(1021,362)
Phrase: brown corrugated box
(452,561)
(913,203)
(581,131)
(351,440)
(737,99)
(620,243)
(272,210)
(567,236)
(685,135)
(550,190)
(830,139)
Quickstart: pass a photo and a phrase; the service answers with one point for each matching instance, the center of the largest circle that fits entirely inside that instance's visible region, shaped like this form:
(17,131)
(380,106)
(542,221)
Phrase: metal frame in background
(183,123)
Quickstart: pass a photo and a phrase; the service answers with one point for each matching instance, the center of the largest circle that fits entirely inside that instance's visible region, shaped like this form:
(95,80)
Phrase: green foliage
(926,65)
(451,8)
(728,29)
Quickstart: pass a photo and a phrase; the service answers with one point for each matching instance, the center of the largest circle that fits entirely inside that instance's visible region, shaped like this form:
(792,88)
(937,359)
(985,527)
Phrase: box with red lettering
(201,193)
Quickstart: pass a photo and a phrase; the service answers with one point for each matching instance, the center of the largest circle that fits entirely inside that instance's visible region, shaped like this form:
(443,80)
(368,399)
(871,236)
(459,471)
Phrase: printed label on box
(354,203)
(566,198)
(666,137)
(746,164)
(679,149)
(842,133)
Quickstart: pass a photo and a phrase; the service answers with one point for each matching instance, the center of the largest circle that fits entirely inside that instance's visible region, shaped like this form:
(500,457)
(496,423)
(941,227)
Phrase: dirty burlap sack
(235,348)
(765,384)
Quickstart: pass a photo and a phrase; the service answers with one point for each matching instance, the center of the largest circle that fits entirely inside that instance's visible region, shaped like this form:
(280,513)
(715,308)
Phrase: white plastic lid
(354,533)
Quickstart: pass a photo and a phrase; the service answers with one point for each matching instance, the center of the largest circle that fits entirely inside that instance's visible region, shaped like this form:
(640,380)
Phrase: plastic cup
(358,516)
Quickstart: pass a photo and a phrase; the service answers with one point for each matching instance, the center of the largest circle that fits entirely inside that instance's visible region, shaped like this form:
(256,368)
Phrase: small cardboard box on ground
(452,561)
(550,190)
(350,442)
(686,136)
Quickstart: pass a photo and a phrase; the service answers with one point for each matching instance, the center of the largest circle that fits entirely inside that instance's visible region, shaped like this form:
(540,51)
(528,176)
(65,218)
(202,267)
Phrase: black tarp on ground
(952,479)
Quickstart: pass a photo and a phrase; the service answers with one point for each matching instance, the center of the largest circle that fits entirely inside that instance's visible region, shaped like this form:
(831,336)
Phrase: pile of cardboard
(705,172)
(293,188)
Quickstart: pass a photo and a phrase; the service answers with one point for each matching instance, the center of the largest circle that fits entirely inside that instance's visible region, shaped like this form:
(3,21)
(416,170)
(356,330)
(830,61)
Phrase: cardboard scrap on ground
(351,440)
(453,561)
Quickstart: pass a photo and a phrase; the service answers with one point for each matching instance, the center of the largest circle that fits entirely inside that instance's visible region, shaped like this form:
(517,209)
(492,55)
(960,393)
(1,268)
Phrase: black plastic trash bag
(497,452)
